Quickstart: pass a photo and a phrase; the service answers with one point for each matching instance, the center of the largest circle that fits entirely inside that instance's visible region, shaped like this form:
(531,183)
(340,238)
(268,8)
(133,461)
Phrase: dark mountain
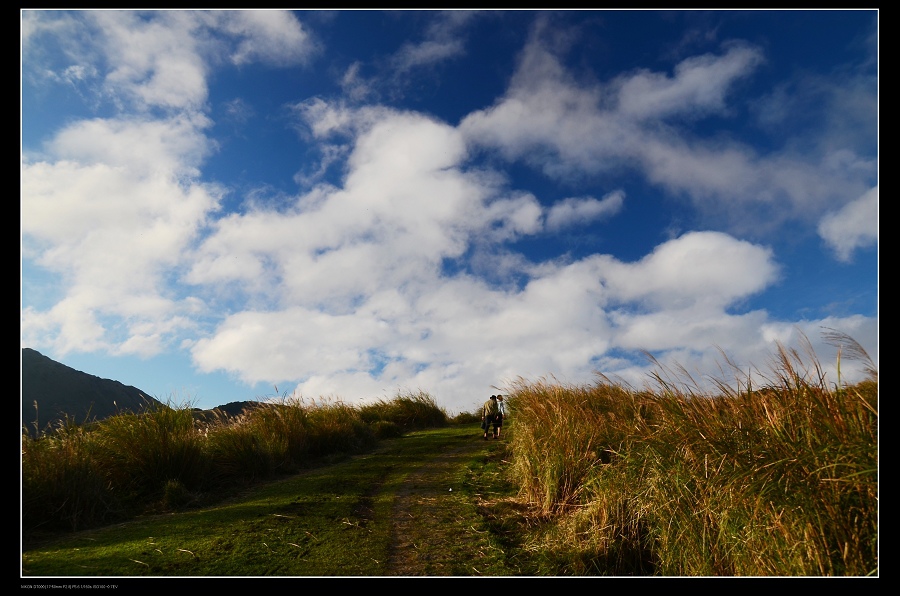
(60,390)
(226,412)
(236,408)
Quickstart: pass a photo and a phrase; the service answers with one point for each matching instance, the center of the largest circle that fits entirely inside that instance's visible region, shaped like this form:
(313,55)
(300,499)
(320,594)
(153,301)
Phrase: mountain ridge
(53,392)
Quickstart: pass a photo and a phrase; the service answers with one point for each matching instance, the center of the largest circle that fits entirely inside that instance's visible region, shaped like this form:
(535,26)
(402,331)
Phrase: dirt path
(427,518)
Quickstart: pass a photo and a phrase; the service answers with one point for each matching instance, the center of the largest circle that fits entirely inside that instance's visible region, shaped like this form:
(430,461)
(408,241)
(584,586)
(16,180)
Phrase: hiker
(488,412)
(501,414)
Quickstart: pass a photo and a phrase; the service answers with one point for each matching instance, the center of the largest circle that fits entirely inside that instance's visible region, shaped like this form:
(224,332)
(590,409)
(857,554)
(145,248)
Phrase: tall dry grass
(80,476)
(63,485)
(139,453)
(408,409)
(776,480)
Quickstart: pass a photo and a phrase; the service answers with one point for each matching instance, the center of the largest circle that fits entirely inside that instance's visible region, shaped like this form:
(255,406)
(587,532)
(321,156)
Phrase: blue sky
(232,205)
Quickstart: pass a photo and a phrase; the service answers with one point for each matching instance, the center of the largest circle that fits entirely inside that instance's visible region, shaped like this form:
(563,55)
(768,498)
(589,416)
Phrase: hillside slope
(59,390)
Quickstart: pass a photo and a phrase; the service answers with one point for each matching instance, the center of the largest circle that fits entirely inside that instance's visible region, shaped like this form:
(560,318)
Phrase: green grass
(335,520)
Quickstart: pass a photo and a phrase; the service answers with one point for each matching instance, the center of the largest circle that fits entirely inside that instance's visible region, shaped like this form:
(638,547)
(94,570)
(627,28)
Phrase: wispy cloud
(635,122)
(853,226)
(444,39)
(583,210)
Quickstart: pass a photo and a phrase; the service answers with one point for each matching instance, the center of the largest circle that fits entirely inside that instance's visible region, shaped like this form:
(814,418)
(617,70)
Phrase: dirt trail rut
(426,517)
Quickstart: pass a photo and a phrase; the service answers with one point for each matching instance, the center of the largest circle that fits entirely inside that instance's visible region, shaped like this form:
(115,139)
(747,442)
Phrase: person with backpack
(488,412)
(501,414)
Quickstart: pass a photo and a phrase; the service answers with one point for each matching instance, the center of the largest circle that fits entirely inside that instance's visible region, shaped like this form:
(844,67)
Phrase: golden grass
(777,480)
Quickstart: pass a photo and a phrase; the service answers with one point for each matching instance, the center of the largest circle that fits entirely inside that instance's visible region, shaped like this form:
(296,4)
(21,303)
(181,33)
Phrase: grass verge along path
(405,509)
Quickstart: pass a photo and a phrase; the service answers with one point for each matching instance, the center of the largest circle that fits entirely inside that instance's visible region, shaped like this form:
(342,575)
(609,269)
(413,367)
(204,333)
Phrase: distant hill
(236,408)
(60,390)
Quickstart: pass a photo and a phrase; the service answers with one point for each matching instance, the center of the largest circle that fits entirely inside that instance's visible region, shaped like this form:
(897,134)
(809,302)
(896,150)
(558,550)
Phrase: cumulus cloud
(153,60)
(403,207)
(367,256)
(113,205)
(853,226)
(112,208)
(711,268)
(362,297)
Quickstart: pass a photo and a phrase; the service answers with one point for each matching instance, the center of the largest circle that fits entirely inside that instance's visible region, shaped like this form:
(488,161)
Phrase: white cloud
(463,336)
(545,108)
(142,147)
(354,85)
(326,119)
(31,23)
(111,210)
(443,40)
(71,324)
(269,36)
(113,205)
(853,226)
(700,268)
(38,23)
(358,271)
(403,208)
(426,52)
(700,85)
(583,210)
(360,266)
(154,58)
(161,58)
(287,345)
(689,330)
(76,73)
(566,128)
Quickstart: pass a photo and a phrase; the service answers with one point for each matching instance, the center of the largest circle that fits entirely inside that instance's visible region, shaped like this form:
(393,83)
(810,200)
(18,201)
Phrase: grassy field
(336,520)
(779,479)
